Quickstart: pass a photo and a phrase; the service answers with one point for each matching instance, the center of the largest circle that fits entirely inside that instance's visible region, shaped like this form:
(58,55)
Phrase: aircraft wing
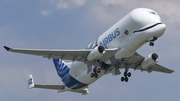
(136,60)
(74,55)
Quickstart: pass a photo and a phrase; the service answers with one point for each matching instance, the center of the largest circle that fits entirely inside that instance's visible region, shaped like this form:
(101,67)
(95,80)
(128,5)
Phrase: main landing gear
(151,43)
(126,75)
(95,72)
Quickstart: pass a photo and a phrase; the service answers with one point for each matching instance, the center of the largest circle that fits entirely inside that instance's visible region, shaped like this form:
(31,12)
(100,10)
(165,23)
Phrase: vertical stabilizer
(61,67)
(30,82)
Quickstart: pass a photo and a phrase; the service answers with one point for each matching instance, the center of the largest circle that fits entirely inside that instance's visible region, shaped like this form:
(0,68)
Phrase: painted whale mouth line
(147,28)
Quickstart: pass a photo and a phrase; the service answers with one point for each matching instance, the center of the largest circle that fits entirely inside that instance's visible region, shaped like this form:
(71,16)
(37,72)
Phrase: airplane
(115,49)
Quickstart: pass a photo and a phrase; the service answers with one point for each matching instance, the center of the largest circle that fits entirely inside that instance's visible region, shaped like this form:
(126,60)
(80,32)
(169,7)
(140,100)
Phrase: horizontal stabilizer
(54,87)
(83,91)
(32,85)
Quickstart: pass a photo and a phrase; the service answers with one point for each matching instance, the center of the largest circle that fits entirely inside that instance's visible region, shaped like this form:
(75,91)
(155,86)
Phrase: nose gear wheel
(151,43)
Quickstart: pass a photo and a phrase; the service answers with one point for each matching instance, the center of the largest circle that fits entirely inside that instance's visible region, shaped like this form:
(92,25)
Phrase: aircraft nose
(160,29)
(156,30)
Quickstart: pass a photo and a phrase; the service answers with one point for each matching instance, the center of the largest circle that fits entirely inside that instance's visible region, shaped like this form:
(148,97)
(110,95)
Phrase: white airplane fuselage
(128,34)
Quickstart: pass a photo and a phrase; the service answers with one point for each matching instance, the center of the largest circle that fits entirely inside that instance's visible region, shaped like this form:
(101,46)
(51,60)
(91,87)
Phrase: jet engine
(149,61)
(96,53)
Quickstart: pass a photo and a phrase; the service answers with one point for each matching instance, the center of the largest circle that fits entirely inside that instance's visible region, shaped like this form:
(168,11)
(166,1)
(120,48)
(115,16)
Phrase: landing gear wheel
(126,75)
(126,79)
(129,74)
(122,79)
(98,70)
(152,41)
(94,70)
(151,44)
(92,75)
(96,75)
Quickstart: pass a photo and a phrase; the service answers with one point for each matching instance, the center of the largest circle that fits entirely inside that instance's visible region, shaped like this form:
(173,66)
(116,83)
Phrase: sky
(73,24)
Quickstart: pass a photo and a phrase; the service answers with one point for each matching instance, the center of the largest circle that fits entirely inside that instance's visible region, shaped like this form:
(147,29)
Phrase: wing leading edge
(74,55)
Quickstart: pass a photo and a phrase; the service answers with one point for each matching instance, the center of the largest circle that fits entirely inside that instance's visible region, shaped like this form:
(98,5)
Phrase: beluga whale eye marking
(126,32)
(152,12)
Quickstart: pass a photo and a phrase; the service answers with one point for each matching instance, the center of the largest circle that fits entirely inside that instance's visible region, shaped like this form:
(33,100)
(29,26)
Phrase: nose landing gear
(151,43)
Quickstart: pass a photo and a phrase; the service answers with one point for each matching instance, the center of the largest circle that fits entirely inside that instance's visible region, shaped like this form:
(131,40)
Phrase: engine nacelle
(149,61)
(96,53)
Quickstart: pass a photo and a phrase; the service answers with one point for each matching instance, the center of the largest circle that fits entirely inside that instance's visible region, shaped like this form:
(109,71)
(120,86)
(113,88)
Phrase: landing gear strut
(95,72)
(151,43)
(126,74)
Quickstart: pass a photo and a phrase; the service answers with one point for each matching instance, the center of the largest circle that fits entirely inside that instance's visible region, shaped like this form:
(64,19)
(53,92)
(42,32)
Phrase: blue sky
(73,24)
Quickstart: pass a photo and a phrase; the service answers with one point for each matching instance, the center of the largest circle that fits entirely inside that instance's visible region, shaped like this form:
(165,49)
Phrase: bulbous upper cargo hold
(144,17)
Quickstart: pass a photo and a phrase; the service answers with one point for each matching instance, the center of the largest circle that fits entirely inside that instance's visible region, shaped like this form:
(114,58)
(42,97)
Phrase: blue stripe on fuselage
(72,83)
(63,71)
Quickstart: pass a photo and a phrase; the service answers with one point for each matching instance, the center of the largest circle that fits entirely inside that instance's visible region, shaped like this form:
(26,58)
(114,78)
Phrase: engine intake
(96,53)
(149,61)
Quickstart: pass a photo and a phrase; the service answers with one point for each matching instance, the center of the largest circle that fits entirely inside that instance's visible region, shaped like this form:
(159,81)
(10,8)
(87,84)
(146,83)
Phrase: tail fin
(61,67)
(30,82)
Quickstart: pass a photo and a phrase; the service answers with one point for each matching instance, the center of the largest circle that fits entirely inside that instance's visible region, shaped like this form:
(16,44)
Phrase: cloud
(165,8)
(45,13)
(79,2)
(112,2)
(103,10)
(64,4)
(55,5)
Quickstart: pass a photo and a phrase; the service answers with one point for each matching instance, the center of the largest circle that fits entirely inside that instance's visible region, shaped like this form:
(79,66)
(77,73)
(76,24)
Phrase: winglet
(7,48)
(30,82)
(172,71)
